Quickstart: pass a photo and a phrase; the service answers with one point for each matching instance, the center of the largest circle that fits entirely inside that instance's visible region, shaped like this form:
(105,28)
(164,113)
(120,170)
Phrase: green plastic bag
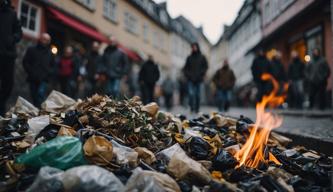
(60,152)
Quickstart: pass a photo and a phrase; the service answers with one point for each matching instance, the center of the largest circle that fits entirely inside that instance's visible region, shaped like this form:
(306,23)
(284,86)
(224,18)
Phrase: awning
(77,25)
(89,31)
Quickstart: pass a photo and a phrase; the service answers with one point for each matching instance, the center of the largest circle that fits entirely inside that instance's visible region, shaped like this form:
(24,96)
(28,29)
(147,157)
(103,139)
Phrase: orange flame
(252,152)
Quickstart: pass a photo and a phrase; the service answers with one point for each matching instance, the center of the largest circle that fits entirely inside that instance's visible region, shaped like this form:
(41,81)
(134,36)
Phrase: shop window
(110,9)
(90,4)
(314,39)
(29,15)
(130,23)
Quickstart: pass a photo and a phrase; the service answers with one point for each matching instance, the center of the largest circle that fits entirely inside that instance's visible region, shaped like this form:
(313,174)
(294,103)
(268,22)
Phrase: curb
(307,114)
(315,143)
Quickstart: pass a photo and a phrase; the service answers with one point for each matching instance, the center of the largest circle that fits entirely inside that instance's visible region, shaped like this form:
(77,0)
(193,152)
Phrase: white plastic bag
(57,102)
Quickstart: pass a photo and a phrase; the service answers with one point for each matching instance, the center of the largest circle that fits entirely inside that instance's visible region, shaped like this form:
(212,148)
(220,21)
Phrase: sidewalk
(311,128)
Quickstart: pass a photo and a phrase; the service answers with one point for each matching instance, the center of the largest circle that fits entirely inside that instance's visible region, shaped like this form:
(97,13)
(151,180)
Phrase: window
(90,4)
(145,32)
(110,9)
(130,23)
(29,15)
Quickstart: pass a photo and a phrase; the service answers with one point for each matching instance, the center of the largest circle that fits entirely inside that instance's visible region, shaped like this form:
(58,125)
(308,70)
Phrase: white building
(244,34)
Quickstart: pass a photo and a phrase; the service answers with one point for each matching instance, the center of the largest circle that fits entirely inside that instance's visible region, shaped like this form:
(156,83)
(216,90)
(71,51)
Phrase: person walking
(168,87)
(93,59)
(148,76)
(296,77)
(115,65)
(38,62)
(10,35)
(260,66)
(316,74)
(224,80)
(194,70)
(68,69)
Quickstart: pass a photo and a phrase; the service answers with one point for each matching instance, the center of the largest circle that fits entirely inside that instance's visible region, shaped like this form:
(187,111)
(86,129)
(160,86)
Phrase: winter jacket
(10,31)
(224,78)
(68,67)
(296,70)
(38,62)
(195,67)
(168,86)
(259,66)
(149,73)
(92,65)
(277,70)
(317,71)
(114,63)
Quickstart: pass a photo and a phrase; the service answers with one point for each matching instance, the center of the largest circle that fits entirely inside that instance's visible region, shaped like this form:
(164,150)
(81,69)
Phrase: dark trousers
(317,92)
(194,96)
(6,81)
(67,86)
(168,100)
(264,88)
(38,92)
(147,91)
(223,98)
(296,92)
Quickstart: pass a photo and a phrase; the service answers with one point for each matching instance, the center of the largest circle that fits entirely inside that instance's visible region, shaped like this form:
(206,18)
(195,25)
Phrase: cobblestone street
(298,125)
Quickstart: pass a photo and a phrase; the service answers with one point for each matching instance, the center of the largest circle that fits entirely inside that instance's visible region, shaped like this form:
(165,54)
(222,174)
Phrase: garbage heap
(100,144)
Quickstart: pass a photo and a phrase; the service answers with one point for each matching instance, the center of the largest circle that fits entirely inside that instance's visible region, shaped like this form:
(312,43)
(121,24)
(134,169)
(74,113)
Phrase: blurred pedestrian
(10,35)
(168,87)
(68,69)
(38,62)
(80,85)
(296,77)
(148,76)
(92,66)
(195,70)
(182,89)
(115,65)
(277,70)
(224,80)
(316,74)
(260,66)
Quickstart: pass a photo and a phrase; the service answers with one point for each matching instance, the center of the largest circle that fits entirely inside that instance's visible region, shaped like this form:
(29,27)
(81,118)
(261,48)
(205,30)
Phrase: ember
(252,152)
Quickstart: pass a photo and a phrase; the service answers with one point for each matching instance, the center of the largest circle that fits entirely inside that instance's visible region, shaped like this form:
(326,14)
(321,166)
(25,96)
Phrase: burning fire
(252,154)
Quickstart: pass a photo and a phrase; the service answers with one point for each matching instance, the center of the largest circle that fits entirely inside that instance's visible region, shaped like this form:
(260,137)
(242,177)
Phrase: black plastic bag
(199,148)
(224,160)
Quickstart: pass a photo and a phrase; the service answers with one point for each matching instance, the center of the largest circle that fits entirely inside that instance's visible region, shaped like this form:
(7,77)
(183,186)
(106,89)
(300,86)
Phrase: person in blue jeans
(224,80)
(194,70)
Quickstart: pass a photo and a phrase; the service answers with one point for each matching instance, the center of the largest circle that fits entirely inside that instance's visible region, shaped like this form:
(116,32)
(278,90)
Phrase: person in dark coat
(92,67)
(38,62)
(277,70)
(260,66)
(10,35)
(115,65)
(168,87)
(224,80)
(148,76)
(68,71)
(296,77)
(195,70)
(316,74)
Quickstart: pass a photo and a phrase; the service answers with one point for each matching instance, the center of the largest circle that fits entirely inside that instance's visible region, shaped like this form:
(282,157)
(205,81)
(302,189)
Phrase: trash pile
(100,144)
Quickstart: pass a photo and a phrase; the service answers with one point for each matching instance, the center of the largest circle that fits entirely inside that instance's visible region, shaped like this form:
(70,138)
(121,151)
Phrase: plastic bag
(24,107)
(183,167)
(199,148)
(98,150)
(91,178)
(146,155)
(60,152)
(151,109)
(80,179)
(57,102)
(224,160)
(49,179)
(124,155)
(150,181)
(36,125)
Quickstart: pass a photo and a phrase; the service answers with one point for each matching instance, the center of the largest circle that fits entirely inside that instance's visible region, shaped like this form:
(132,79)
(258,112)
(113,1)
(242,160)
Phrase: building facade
(243,35)
(299,25)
